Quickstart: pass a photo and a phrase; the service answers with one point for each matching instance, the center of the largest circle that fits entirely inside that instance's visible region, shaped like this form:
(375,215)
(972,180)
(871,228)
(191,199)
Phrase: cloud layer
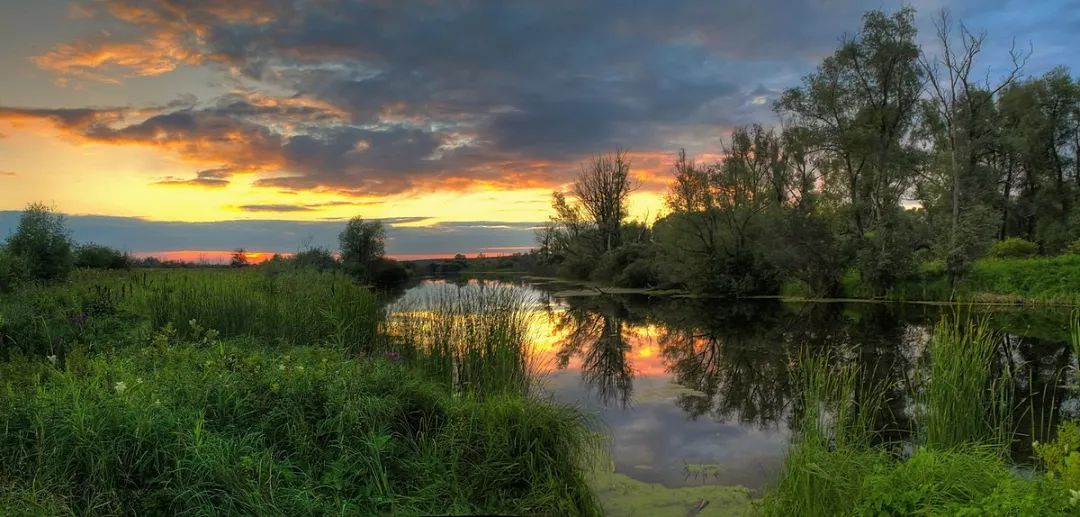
(404,237)
(376,97)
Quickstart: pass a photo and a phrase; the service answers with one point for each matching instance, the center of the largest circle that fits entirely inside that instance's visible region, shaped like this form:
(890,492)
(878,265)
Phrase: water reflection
(697,391)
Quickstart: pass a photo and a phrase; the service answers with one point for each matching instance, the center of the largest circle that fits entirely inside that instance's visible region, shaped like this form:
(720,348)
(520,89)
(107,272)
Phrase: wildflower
(120,387)
(281,367)
(52,359)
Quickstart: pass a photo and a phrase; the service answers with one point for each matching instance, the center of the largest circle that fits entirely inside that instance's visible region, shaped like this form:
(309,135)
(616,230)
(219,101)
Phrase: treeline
(41,249)
(889,160)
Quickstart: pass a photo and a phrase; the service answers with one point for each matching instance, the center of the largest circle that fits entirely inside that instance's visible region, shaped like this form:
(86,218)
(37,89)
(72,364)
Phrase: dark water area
(695,391)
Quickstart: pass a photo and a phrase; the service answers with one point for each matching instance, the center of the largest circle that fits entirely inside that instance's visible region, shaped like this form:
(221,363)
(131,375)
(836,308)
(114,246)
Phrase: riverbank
(1039,281)
(239,392)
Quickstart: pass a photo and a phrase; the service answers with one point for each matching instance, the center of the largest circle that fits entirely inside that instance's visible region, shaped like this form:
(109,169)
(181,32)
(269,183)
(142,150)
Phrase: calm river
(699,392)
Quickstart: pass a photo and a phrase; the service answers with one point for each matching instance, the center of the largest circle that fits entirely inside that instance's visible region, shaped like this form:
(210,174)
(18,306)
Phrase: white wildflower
(52,359)
(120,387)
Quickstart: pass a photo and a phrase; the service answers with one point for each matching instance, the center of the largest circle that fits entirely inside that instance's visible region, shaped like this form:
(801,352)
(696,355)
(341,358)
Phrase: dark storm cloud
(386,95)
(378,96)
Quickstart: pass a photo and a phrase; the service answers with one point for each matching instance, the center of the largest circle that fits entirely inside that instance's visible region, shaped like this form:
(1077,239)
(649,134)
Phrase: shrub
(13,271)
(1073,248)
(388,274)
(101,257)
(1013,247)
(317,258)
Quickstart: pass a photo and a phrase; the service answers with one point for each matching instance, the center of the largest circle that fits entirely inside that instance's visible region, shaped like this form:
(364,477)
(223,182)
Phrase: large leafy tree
(363,245)
(860,105)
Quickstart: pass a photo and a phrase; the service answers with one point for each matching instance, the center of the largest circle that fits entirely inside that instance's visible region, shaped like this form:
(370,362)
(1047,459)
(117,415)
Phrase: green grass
(958,467)
(833,449)
(965,399)
(285,396)
(1038,281)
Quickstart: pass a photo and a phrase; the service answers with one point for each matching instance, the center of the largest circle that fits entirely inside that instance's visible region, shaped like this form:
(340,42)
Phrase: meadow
(274,391)
(263,392)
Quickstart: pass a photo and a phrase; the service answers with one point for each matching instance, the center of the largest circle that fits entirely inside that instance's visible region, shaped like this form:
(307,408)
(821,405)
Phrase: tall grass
(475,338)
(243,430)
(305,307)
(832,453)
(967,398)
(963,414)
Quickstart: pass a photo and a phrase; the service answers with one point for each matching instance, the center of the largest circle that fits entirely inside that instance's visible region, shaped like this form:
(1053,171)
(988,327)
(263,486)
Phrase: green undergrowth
(1038,280)
(257,392)
(234,429)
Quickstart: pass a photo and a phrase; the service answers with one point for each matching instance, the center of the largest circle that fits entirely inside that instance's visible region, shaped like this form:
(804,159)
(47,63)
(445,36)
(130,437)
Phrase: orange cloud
(109,62)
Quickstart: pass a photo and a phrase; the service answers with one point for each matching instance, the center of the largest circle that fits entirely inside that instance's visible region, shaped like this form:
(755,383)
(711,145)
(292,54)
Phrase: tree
(602,189)
(962,113)
(859,106)
(42,243)
(591,224)
(239,258)
(718,211)
(362,245)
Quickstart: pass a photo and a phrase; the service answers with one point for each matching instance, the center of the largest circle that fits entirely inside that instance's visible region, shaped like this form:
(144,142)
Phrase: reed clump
(476,339)
(956,465)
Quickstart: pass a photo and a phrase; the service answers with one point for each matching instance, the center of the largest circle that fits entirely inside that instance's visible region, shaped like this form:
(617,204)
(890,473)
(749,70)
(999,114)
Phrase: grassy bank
(956,462)
(237,392)
(1040,280)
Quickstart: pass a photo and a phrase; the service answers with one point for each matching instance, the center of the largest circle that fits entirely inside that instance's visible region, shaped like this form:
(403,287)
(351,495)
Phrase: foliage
(362,244)
(833,468)
(13,270)
(262,391)
(42,243)
(1013,247)
(1073,248)
(239,258)
(1061,457)
(100,257)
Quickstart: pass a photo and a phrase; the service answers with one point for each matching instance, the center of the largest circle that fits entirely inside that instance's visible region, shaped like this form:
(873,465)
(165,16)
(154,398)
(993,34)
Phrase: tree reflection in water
(736,359)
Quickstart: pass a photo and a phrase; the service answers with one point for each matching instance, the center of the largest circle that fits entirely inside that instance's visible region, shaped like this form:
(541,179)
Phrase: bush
(317,258)
(627,266)
(1073,248)
(101,257)
(42,241)
(1013,247)
(388,274)
(13,271)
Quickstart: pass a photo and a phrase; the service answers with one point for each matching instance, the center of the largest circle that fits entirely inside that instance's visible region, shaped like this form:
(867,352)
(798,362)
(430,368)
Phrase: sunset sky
(209,125)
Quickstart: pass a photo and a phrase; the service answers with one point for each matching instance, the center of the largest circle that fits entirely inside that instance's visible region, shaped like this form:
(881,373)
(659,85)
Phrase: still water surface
(699,392)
